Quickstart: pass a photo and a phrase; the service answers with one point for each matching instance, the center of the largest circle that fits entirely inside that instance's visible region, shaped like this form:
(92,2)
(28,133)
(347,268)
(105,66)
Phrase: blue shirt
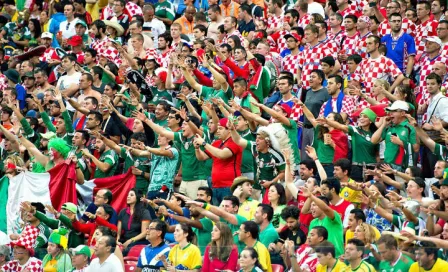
(398,50)
(147,259)
(21,96)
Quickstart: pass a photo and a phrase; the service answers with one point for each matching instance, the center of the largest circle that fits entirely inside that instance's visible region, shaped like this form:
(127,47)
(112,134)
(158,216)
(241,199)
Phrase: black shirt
(298,237)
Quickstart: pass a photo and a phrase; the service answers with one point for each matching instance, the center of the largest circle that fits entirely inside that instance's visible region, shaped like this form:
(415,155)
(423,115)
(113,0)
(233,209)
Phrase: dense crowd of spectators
(298,135)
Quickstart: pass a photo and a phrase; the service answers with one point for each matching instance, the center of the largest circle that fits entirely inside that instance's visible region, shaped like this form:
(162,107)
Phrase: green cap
(370,114)
(81,250)
(28,75)
(58,237)
(81,22)
(70,207)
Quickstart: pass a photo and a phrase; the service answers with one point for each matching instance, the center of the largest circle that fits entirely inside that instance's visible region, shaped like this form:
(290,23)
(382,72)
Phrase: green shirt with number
(141,163)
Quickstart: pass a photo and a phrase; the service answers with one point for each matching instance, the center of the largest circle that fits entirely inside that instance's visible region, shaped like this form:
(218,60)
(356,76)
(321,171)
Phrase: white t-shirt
(65,81)
(157,28)
(111,264)
(4,239)
(68,29)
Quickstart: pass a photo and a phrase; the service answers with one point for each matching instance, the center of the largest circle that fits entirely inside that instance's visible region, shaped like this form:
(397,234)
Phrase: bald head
(189,12)
(439,68)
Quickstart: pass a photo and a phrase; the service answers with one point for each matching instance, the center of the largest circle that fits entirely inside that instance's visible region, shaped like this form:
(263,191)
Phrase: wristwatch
(204,144)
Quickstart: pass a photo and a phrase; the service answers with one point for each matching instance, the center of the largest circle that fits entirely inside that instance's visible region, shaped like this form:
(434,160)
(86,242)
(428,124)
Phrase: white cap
(47,35)
(434,39)
(398,105)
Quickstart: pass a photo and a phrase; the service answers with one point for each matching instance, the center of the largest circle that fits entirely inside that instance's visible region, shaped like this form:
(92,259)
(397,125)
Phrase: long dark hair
(281,192)
(191,238)
(139,207)
(322,130)
(37,28)
(408,93)
(222,252)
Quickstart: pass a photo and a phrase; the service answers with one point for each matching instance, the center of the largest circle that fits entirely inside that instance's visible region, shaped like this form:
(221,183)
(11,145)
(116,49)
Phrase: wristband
(206,207)
(316,159)
(204,144)
(142,174)
(77,167)
(372,4)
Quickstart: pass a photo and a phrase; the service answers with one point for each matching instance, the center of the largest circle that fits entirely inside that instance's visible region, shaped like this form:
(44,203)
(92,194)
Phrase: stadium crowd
(247,135)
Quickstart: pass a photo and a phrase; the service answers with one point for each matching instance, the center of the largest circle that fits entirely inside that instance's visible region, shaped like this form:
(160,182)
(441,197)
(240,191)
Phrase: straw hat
(114,24)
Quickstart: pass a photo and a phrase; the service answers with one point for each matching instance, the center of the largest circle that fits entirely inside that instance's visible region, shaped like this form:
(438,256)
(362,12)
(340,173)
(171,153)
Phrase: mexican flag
(56,187)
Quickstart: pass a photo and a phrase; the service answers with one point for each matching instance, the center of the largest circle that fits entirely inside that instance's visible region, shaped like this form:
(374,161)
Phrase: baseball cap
(31,113)
(295,36)
(286,108)
(365,19)
(81,22)
(81,250)
(28,75)
(434,39)
(75,41)
(70,207)
(46,35)
(398,105)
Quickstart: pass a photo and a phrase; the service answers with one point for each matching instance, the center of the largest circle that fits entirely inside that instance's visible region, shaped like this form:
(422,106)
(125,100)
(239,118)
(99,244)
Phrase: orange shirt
(187,26)
(230,10)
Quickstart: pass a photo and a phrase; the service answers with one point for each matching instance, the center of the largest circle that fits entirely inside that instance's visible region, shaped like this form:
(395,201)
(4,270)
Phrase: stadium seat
(134,252)
(277,268)
(130,267)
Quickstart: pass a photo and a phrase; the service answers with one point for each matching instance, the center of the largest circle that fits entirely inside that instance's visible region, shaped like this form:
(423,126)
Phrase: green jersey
(363,149)
(111,158)
(403,264)
(160,95)
(335,236)
(325,152)
(141,163)
(268,164)
(248,161)
(82,164)
(400,155)
(204,235)
(292,135)
(441,152)
(192,168)
(165,10)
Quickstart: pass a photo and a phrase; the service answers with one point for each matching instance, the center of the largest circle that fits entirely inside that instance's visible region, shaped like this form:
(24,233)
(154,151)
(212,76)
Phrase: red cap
(75,41)
(293,35)
(223,122)
(286,108)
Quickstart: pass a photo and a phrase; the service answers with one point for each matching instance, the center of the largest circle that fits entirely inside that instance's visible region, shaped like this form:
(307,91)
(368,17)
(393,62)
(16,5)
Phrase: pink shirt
(215,264)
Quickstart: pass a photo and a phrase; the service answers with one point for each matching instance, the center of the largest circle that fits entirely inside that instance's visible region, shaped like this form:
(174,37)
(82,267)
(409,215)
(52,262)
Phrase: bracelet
(77,167)
(142,174)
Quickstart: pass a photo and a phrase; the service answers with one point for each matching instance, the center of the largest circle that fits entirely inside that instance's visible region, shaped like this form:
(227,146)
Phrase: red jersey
(424,64)
(224,171)
(341,208)
(306,260)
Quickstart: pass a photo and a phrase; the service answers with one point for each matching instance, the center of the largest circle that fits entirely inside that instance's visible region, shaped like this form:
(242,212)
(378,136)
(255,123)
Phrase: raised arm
(309,115)
(215,152)
(376,137)
(231,218)
(236,137)
(40,158)
(157,129)
(280,117)
(322,205)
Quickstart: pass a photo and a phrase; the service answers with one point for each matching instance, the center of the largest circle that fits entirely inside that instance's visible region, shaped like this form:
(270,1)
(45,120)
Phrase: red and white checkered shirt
(107,13)
(310,59)
(361,103)
(290,63)
(279,40)
(424,64)
(3,82)
(33,265)
(111,54)
(351,9)
(133,9)
(349,48)
(379,68)
(336,37)
(306,258)
(444,50)
(423,31)
(163,58)
(304,21)
(99,44)
(348,105)
(234,33)
(50,53)
(361,45)
(407,26)
(275,22)
(332,45)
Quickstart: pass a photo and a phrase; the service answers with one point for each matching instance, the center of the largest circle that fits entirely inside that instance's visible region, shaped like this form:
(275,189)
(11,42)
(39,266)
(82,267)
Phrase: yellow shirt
(94,10)
(440,265)
(248,208)
(351,195)
(187,26)
(187,258)
(263,256)
(350,234)
(362,267)
(338,266)
(51,266)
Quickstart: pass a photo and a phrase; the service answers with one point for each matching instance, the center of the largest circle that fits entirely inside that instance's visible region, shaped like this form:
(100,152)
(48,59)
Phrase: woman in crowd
(36,31)
(184,255)
(277,199)
(366,233)
(57,260)
(234,42)
(249,261)
(132,222)
(221,253)
(363,150)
